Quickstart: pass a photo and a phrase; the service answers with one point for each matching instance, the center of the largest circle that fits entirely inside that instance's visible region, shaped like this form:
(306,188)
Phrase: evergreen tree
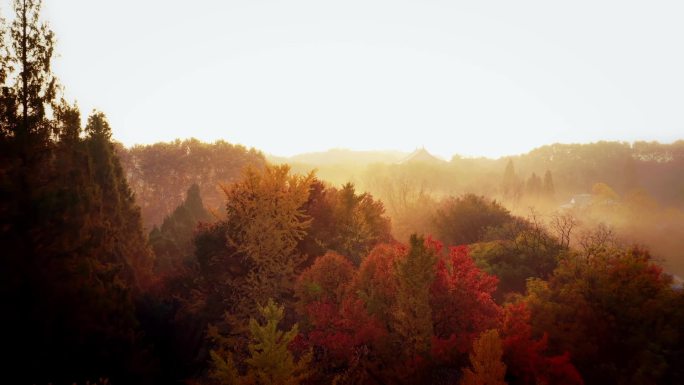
(270,361)
(34,85)
(534,186)
(172,242)
(123,238)
(413,315)
(548,188)
(509,182)
(343,221)
(70,236)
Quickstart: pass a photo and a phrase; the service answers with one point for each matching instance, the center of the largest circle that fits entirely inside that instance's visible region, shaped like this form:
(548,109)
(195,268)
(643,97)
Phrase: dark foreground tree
(73,251)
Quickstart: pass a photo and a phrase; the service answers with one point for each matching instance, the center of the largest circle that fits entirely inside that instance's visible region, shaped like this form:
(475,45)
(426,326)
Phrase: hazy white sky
(470,77)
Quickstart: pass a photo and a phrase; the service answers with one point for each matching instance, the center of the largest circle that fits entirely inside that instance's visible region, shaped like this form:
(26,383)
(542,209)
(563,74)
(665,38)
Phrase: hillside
(340,156)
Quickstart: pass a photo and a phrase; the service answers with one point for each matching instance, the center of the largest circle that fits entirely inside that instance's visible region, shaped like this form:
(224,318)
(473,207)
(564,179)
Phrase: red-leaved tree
(462,305)
(527,359)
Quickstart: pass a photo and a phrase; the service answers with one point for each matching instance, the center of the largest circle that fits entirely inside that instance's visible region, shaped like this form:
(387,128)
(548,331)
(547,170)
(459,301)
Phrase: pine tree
(270,361)
(485,360)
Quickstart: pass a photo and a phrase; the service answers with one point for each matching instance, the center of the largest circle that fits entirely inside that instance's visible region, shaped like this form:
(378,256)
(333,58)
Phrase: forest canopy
(196,263)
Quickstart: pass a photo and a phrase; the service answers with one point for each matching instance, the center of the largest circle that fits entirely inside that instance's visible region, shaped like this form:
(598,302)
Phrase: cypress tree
(73,249)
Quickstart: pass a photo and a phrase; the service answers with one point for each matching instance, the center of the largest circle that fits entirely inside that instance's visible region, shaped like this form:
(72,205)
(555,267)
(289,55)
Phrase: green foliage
(467,219)
(224,371)
(270,361)
(520,250)
(252,255)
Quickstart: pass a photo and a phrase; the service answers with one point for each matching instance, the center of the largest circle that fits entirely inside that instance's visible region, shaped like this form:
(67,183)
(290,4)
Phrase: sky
(477,78)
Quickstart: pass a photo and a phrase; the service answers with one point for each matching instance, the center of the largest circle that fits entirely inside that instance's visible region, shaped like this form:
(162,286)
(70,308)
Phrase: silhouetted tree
(548,187)
(172,242)
(509,182)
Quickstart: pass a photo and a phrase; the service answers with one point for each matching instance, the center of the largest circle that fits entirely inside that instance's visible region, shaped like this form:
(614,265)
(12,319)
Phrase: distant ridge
(341,156)
(421,155)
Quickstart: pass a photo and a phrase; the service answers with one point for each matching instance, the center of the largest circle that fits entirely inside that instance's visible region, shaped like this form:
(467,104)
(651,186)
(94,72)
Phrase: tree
(466,219)
(337,323)
(509,182)
(528,359)
(343,221)
(327,280)
(534,186)
(615,313)
(563,224)
(117,203)
(270,361)
(72,243)
(161,173)
(265,221)
(462,305)
(27,92)
(30,53)
(413,314)
(485,360)
(172,242)
(251,255)
(376,282)
(603,193)
(548,187)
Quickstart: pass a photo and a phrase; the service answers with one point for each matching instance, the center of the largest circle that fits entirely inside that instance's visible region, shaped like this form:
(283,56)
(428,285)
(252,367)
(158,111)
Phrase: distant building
(421,155)
(578,201)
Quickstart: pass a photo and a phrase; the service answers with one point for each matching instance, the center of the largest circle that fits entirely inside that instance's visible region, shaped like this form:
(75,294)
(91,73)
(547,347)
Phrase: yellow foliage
(485,360)
(266,221)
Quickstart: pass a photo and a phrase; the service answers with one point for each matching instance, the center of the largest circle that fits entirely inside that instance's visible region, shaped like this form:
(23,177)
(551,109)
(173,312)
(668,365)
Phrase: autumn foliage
(259,275)
(402,310)
(529,361)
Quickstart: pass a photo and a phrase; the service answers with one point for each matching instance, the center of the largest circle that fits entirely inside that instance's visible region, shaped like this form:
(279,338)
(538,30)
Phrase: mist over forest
(635,189)
(212,263)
